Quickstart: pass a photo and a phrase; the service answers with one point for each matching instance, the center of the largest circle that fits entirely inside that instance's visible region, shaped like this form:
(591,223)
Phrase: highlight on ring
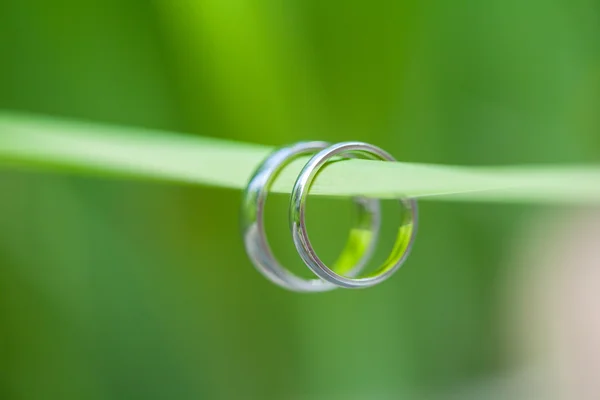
(363,237)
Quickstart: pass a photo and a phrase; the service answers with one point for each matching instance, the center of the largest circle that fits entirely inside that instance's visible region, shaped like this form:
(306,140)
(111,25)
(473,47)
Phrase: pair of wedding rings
(363,235)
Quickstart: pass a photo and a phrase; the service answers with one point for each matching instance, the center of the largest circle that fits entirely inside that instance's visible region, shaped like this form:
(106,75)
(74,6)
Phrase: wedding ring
(358,250)
(406,232)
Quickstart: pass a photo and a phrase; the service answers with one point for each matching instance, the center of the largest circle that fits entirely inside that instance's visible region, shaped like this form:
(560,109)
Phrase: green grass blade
(35,142)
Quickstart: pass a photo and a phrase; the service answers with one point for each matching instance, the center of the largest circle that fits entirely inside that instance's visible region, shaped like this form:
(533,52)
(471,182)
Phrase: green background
(121,289)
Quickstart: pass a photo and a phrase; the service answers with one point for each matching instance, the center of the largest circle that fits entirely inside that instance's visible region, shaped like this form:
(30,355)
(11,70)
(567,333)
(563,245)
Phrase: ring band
(360,246)
(406,232)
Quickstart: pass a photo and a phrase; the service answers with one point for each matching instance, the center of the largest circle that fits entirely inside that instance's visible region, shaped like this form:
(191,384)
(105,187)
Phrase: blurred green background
(129,290)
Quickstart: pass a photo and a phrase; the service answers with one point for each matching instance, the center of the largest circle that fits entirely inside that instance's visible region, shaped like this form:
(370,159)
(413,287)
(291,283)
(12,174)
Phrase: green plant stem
(44,143)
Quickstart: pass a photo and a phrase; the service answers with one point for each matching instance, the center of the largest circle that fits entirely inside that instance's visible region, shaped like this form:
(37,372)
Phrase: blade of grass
(44,143)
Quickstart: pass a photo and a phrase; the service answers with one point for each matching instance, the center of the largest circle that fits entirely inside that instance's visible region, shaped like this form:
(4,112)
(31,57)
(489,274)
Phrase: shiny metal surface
(360,245)
(406,231)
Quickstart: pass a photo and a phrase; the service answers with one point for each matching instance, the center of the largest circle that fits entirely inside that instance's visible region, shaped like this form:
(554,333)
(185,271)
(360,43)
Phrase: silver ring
(360,246)
(407,229)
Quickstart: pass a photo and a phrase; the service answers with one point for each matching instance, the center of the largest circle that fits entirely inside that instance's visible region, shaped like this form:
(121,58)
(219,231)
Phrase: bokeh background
(116,289)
